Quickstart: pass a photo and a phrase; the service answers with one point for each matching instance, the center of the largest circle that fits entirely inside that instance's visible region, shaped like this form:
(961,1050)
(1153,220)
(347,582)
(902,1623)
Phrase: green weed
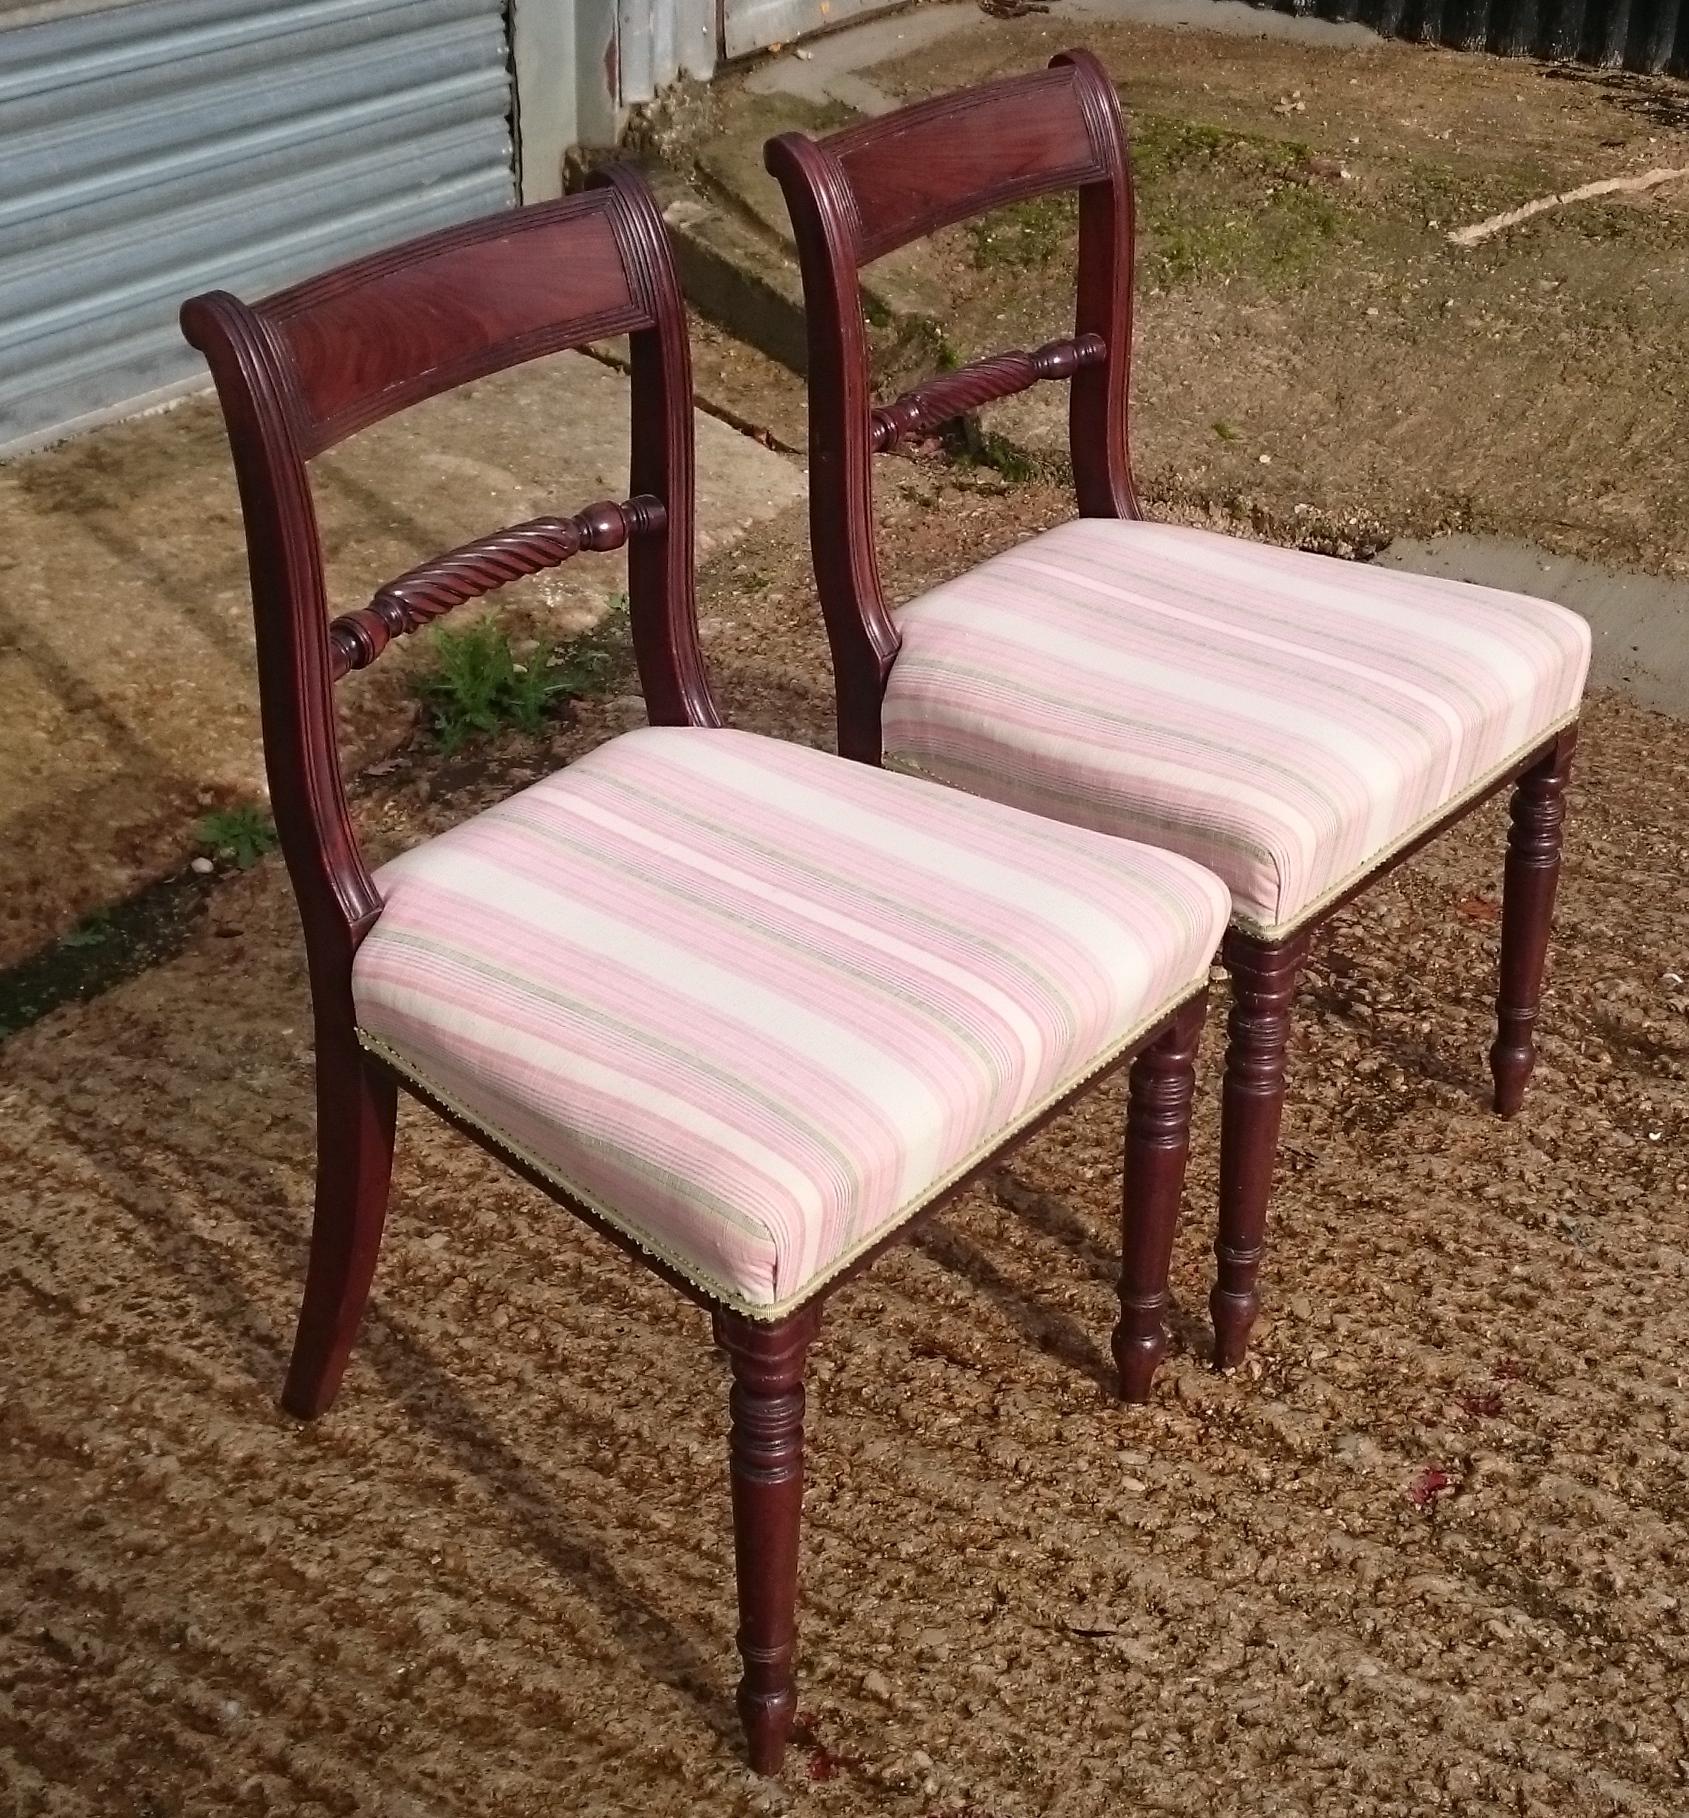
(476,685)
(91,931)
(588,663)
(1162,147)
(1295,230)
(479,685)
(239,836)
(970,446)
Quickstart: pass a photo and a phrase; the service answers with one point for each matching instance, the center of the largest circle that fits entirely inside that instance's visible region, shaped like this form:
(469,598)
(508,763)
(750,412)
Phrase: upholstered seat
(1287,720)
(754,1005)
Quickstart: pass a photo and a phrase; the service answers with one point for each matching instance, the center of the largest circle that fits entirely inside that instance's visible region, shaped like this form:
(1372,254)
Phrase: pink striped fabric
(755,1004)
(1287,720)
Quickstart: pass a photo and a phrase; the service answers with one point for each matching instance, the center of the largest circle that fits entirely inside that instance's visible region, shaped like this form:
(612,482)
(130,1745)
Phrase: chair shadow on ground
(181,1254)
(413,1382)
(1190,1332)
(662,1651)
(1057,1220)
(1438,1059)
(1053,1332)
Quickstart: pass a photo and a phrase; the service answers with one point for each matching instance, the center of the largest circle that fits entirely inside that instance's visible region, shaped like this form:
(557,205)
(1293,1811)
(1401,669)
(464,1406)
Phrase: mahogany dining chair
(744,1007)
(1296,723)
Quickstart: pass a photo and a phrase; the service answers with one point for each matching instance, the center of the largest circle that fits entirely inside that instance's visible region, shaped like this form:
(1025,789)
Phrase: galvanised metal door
(753,25)
(151,150)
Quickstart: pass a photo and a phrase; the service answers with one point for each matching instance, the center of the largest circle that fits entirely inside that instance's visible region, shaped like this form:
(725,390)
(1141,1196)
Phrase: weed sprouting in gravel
(480,684)
(240,836)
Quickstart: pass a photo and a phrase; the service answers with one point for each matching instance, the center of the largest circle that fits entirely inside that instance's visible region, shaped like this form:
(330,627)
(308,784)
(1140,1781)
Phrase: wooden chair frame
(296,373)
(863,192)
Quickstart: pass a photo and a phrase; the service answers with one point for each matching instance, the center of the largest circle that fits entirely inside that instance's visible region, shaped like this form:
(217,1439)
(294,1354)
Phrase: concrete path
(125,639)
(835,68)
(1640,621)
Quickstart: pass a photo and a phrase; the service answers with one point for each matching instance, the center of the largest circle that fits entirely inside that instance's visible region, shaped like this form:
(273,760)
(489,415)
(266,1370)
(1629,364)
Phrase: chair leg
(1158,1127)
(357,1108)
(1533,871)
(1257,1035)
(765,1451)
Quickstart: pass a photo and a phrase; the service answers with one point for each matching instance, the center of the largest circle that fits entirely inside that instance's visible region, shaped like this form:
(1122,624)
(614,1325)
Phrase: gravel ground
(1422,1554)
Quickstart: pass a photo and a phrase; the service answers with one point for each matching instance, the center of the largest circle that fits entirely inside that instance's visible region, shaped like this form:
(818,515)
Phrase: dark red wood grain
(386,332)
(292,373)
(1158,1133)
(938,162)
(765,1463)
(857,194)
(953,394)
(1536,822)
(435,587)
(1258,1038)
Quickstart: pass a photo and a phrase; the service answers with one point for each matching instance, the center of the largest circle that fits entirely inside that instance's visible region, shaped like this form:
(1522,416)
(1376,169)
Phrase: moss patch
(1219,203)
(478,683)
(1213,202)
(1024,235)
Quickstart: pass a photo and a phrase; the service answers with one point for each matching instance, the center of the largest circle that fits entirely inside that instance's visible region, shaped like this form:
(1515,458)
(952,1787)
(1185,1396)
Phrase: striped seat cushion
(1287,720)
(755,1005)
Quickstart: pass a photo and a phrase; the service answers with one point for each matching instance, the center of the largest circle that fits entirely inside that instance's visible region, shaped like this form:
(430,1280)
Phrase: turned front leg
(1538,816)
(765,1451)
(1258,1034)
(1158,1127)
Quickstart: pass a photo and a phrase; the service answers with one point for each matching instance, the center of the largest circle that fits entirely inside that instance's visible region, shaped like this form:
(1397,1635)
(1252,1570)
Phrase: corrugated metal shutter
(157,148)
(1640,34)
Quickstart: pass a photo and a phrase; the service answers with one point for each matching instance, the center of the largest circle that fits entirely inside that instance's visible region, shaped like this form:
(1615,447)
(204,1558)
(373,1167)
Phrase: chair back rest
(952,157)
(405,324)
(862,193)
(298,371)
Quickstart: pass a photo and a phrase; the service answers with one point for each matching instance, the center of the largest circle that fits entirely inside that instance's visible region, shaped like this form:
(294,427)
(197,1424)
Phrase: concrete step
(738,263)
(731,273)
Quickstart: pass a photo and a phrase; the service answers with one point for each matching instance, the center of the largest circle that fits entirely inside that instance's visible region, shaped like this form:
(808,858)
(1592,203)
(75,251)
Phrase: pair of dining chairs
(752,1009)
